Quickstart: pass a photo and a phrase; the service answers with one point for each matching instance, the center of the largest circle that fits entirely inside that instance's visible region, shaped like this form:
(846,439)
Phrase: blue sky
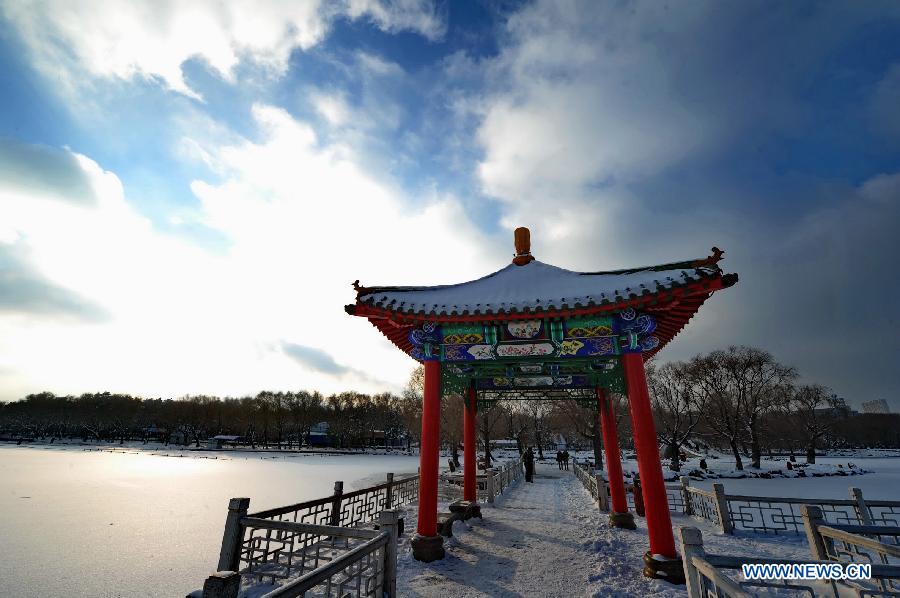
(187,191)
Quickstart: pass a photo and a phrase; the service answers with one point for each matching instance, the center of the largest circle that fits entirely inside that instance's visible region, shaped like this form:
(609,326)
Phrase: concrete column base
(466,508)
(671,570)
(622,520)
(427,548)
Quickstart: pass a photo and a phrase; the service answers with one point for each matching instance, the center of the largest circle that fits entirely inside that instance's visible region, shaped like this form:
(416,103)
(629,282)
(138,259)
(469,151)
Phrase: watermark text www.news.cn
(807,571)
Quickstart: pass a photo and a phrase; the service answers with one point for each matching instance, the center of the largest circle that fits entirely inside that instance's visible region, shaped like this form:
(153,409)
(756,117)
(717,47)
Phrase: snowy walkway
(542,539)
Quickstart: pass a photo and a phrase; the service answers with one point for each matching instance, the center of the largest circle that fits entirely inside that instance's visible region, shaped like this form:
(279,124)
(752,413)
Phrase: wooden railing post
(812,519)
(691,541)
(489,484)
(722,508)
(602,497)
(223,584)
(230,553)
(862,510)
(336,504)
(389,495)
(388,521)
(686,495)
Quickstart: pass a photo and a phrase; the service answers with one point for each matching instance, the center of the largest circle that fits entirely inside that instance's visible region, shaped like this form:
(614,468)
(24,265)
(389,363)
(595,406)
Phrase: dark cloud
(315,359)
(632,134)
(45,170)
(23,290)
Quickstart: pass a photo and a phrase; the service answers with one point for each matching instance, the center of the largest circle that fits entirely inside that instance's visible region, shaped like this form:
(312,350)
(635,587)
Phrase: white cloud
(392,16)
(303,221)
(152,40)
(331,107)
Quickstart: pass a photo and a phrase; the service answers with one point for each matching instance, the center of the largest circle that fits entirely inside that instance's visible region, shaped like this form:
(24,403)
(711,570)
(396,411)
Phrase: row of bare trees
(739,400)
(743,400)
(280,419)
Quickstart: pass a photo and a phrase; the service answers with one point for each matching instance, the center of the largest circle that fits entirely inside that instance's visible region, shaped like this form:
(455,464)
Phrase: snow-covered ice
(132,523)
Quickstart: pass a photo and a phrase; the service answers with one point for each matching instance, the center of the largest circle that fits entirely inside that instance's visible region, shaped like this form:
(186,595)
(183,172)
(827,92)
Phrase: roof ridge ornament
(522,239)
(711,261)
(360,290)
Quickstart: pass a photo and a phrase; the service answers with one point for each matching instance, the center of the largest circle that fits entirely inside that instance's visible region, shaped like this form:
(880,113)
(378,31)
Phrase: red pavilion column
(659,523)
(470,471)
(428,545)
(619,515)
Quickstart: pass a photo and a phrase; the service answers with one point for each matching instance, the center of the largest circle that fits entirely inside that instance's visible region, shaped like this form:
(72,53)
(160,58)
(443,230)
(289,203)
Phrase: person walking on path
(528,458)
(559,459)
(565,458)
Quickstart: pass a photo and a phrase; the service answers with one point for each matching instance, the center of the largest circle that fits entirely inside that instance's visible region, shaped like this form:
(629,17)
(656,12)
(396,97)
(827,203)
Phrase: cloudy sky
(187,189)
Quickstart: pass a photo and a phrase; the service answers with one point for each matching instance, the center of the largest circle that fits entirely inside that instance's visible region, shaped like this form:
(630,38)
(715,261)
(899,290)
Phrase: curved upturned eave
(673,309)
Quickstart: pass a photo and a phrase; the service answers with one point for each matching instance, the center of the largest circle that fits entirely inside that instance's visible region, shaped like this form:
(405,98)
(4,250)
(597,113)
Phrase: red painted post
(470,471)
(429,450)
(611,448)
(659,522)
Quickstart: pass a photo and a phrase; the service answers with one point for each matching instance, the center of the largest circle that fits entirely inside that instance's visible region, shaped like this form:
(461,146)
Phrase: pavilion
(532,330)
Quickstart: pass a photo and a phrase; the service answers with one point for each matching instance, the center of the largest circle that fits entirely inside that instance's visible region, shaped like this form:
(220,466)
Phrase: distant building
(219,442)
(509,444)
(319,435)
(876,406)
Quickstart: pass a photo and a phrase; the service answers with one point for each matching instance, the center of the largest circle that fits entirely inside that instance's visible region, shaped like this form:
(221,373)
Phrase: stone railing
(721,575)
(495,481)
(593,482)
(873,544)
(761,514)
(489,484)
(778,515)
(320,542)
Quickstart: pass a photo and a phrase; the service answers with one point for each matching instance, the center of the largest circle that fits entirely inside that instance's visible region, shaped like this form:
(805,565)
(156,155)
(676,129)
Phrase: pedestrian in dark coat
(528,459)
(565,457)
(559,459)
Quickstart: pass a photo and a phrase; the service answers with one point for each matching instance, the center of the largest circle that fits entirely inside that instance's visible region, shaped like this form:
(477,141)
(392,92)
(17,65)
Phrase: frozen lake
(883,484)
(89,523)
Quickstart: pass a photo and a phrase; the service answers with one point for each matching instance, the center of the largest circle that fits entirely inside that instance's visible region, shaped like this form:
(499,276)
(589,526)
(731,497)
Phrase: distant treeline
(279,419)
(740,400)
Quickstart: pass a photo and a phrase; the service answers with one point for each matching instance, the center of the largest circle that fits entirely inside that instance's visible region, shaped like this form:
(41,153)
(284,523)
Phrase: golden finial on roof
(522,237)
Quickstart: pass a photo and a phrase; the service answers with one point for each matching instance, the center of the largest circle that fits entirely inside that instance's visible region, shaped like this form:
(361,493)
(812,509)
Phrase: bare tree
(489,415)
(761,384)
(452,409)
(516,425)
(538,411)
(817,409)
(677,407)
(585,422)
(719,404)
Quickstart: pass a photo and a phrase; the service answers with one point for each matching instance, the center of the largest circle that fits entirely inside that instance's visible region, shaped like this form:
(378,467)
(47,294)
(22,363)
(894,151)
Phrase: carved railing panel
(363,506)
(782,515)
(703,505)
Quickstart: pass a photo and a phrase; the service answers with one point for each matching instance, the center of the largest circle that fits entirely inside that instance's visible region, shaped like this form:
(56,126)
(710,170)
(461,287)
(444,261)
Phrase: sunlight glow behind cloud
(302,222)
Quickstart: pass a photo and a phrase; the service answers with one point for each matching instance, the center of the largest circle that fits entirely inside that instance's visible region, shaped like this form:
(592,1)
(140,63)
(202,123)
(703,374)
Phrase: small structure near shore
(219,442)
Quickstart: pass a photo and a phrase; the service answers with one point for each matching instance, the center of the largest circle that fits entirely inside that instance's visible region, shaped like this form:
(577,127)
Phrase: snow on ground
(550,539)
(875,471)
(542,539)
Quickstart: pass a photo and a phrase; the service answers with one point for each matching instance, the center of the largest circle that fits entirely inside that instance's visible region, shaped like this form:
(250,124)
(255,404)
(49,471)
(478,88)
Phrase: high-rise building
(875,406)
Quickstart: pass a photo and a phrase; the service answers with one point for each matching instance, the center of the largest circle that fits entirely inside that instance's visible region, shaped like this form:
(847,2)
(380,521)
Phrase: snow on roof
(536,286)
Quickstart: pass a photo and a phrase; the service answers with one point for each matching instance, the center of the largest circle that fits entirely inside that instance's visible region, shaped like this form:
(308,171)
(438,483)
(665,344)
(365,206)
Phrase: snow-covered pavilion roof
(529,289)
(536,287)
